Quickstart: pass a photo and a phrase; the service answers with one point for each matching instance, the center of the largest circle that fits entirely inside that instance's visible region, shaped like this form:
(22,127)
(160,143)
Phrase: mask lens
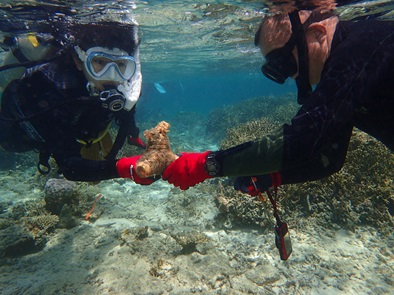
(102,66)
(280,63)
(273,74)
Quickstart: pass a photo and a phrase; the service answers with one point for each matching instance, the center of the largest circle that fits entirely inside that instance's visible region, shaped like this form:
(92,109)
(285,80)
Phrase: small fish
(160,88)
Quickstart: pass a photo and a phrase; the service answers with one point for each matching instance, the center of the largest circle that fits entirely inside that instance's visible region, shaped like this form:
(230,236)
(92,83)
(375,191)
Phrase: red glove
(125,167)
(188,170)
(137,141)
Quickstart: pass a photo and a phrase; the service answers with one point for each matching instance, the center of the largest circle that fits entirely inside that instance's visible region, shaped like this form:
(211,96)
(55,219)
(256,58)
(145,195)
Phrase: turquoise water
(197,56)
(204,93)
(201,52)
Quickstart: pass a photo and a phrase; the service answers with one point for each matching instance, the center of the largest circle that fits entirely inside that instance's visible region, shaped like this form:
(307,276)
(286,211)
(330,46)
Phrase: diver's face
(105,67)
(278,45)
(99,84)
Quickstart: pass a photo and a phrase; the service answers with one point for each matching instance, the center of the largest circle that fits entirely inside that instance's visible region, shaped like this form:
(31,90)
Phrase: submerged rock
(57,193)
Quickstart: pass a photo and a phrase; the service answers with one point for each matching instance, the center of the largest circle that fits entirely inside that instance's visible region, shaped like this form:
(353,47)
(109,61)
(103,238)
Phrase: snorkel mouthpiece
(112,100)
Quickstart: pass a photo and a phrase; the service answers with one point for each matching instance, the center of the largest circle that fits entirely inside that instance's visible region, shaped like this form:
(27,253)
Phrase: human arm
(311,147)
(327,162)
(133,137)
(297,156)
(79,169)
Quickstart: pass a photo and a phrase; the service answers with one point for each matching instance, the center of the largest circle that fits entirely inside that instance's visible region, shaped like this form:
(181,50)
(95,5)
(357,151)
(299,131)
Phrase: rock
(57,193)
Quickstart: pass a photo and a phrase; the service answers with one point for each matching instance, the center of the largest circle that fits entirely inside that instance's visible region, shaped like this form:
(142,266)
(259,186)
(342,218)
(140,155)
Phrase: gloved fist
(188,170)
(126,169)
(261,183)
(137,141)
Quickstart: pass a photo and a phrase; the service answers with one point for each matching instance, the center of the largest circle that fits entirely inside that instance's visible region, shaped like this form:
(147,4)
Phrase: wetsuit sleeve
(326,162)
(134,130)
(313,146)
(78,169)
(253,158)
(293,150)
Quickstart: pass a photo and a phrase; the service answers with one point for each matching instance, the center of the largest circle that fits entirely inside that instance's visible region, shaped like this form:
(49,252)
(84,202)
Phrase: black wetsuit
(50,110)
(356,89)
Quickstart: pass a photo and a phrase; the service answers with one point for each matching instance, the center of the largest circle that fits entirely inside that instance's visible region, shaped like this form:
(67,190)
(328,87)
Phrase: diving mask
(104,64)
(280,63)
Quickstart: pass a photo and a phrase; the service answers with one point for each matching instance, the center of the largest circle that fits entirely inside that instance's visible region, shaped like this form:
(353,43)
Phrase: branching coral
(275,109)
(360,193)
(42,222)
(252,130)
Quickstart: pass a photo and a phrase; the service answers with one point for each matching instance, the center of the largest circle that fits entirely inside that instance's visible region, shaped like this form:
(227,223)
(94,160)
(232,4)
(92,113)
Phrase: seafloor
(158,239)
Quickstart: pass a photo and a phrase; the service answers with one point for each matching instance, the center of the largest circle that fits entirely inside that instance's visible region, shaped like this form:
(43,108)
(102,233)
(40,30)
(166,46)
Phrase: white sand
(101,258)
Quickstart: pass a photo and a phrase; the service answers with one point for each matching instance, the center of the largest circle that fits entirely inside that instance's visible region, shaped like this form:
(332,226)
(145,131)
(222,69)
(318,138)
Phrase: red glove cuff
(201,164)
(125,167)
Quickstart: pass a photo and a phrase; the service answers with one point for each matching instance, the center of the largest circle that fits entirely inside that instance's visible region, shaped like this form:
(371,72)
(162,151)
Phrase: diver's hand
(126,169)
(188,170)
(253,185)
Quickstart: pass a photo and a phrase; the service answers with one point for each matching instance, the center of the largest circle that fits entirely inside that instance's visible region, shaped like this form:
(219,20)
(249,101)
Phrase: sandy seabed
(160,240)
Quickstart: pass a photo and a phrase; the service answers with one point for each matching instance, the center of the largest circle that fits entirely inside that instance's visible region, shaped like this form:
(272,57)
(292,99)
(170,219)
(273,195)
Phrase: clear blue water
(207,92)
(196,57)
(202,53)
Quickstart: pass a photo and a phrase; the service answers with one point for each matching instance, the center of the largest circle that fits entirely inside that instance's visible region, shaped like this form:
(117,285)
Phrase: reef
(361,193)
(249,131)
(275,109)
(25,226)
(158,154)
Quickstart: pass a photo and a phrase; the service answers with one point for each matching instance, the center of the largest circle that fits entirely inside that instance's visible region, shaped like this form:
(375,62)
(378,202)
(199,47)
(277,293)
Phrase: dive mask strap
(303,85)
(298,30)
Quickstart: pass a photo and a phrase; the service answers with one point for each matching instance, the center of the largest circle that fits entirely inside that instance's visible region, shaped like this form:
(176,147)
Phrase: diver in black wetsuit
(352,65)
(64,106)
